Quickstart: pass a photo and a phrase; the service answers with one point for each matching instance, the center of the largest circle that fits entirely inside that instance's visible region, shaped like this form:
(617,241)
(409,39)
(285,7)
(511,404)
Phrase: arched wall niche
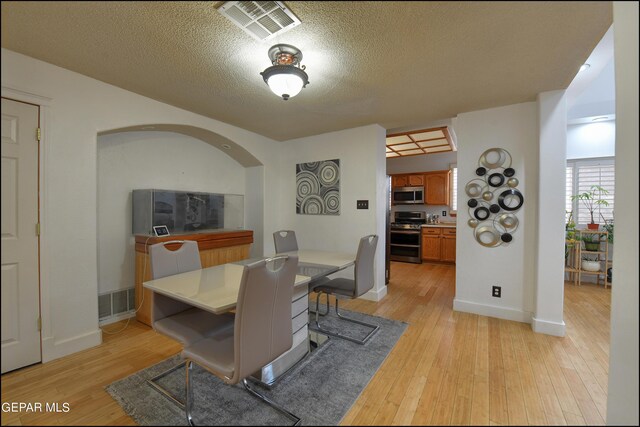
(232,149)
(237,172)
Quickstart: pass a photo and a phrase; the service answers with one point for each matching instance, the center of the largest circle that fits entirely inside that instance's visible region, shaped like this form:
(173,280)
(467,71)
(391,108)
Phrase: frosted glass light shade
(285,85)
(285,81)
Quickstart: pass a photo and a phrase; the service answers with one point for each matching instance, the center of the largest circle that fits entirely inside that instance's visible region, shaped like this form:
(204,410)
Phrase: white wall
(429,162)
(75,109)
(362,175)
(142,160)
(549,301)
(623,396)
(591,140)
(512,266)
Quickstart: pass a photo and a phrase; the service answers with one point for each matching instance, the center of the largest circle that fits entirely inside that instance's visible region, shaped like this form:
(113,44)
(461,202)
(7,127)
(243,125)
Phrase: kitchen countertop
(441,225)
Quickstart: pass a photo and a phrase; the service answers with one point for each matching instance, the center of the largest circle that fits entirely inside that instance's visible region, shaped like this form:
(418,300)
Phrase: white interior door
(20,267)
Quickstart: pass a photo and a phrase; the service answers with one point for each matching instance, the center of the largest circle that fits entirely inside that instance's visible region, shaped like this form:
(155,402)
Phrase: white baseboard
(52,349)
(547,327)
(117,318)
(492,311)
(375,295)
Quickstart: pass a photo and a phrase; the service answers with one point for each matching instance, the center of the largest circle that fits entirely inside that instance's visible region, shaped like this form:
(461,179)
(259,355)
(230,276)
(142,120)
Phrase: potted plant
(589,264)
(591,242)
(591,200)
(570,234)
(608,226)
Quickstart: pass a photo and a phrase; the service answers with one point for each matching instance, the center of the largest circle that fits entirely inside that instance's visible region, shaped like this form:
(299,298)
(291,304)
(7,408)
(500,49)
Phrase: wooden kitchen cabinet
(416,180)
(407,180)
(431,245)
(439,244)
(437,187)
(400,181)
(448,245)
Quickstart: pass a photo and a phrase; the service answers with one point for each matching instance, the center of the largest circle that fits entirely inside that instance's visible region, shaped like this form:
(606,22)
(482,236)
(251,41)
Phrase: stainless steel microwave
(408,196)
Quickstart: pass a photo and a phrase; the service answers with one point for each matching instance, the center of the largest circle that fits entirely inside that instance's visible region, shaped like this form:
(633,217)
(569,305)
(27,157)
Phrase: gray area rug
(320,390)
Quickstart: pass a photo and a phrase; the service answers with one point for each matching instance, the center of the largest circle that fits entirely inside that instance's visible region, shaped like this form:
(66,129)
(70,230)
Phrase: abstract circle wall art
(494,223)
(318,188)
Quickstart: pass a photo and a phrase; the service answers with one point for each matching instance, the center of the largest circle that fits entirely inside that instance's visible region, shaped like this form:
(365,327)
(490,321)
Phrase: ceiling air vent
(263,20)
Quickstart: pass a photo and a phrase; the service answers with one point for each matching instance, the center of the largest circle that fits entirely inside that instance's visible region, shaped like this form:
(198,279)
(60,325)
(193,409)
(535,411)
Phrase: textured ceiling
(397,64)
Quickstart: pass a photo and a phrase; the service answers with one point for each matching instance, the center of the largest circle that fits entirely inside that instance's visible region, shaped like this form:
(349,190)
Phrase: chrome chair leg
(164,391)
(359,322)
(271,403)
(188,407)
(340,316)
(318,311)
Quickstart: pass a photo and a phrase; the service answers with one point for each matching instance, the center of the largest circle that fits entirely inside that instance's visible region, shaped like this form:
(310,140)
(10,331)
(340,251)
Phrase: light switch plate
(362,204)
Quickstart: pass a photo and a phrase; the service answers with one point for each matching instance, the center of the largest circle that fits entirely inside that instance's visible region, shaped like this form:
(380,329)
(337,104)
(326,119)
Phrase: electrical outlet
(362,204)
(496,291)
(444,213)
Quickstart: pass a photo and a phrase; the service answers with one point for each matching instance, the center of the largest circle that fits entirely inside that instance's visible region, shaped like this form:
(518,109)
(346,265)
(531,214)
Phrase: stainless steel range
(405,236)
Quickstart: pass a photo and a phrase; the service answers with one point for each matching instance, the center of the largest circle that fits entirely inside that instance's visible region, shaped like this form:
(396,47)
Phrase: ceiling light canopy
(584,67)
(286,77)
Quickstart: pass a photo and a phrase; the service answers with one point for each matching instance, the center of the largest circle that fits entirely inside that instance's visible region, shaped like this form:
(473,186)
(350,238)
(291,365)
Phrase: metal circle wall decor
(494,224)
(481,213)
(496,179)
(507,198)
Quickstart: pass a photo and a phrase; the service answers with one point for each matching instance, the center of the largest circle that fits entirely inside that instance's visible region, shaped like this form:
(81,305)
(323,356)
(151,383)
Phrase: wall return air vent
(262,20)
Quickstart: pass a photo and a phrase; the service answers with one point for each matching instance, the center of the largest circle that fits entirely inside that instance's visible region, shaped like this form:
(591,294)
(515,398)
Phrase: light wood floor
(448,368)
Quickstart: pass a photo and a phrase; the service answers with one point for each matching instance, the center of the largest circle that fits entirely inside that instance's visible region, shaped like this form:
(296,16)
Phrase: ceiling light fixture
(286,77)
(584,67)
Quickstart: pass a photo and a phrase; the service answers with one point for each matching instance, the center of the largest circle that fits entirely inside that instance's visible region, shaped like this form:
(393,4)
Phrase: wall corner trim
(548,327)
(375,295)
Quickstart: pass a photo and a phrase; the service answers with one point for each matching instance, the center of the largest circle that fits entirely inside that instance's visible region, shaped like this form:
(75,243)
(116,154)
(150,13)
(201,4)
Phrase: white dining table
(215,289)
(339,260)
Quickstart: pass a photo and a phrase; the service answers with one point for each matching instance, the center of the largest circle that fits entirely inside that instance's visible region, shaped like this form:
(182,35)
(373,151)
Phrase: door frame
(44,104)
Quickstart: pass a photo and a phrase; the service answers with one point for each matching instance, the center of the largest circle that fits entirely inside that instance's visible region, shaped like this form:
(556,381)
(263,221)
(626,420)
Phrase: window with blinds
(569,192)
(454,188)
(581,176)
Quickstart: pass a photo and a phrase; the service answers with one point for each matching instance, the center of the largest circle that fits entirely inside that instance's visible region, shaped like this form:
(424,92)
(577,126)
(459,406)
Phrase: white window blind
(581,175)
(569,192)
(454,188)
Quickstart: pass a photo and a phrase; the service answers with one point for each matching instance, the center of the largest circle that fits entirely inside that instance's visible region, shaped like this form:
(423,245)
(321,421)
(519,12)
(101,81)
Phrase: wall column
(549,300)
(622,405)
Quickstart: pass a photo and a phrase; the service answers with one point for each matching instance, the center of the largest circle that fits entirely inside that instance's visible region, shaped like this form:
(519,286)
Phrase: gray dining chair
(175,319)
(261,333)
(285,241)
(350,289)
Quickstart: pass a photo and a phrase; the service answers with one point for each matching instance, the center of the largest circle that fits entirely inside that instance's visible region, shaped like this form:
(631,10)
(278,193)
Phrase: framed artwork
(318,188)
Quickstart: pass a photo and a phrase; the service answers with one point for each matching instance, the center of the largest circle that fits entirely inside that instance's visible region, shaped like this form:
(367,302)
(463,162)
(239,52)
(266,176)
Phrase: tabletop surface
(216,288)
(336,259)
(213,289)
